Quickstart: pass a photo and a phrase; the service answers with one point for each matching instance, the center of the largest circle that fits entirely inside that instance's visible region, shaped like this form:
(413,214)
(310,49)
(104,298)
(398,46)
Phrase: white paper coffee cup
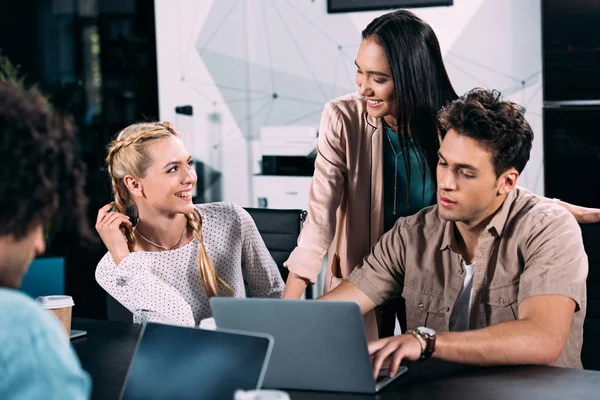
(61,307)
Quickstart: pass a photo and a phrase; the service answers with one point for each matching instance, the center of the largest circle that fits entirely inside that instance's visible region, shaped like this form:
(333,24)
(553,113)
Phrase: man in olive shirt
(493,274)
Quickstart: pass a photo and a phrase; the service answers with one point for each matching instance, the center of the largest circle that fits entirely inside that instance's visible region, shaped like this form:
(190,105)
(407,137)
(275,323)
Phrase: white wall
(228,57)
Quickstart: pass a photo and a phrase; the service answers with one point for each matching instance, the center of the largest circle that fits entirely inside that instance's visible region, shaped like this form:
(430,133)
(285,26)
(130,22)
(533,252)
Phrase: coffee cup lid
(54,302)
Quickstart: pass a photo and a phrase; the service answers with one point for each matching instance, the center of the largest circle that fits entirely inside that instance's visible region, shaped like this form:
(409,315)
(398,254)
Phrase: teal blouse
(419,199)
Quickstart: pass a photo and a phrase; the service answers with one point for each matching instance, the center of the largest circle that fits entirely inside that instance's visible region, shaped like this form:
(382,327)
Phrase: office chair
(590,354)
(115,311)
(45,277)
(279,230)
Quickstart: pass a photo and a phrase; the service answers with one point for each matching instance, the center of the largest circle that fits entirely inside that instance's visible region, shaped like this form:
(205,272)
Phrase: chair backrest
(590,354)
(115,311)
(44,277)
(279,230)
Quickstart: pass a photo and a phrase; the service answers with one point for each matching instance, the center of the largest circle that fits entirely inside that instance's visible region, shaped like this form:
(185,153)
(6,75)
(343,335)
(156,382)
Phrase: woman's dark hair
(421,83)
(41,175)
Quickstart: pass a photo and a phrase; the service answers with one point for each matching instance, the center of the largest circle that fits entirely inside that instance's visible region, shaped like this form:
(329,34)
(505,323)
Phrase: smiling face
(169,179)
(469,190)
(374,80)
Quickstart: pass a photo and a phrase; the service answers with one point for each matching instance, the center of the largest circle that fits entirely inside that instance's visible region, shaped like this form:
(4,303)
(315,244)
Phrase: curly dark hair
(41,174)
(500,125)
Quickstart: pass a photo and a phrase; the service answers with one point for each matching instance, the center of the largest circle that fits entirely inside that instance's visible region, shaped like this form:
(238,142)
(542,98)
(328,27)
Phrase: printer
(287,165)
(288,150)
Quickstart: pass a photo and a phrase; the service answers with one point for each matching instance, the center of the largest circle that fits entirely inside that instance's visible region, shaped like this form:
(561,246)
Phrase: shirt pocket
(499,304)
(424,309)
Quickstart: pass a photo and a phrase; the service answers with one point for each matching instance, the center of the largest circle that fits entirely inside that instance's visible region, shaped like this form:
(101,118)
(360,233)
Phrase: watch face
(426,331)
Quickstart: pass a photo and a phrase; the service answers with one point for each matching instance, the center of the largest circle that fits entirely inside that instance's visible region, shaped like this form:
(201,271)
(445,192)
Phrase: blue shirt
(36,358)
(421,193)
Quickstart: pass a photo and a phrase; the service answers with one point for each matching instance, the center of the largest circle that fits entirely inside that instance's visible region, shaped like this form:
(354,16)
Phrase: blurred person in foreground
(41,185)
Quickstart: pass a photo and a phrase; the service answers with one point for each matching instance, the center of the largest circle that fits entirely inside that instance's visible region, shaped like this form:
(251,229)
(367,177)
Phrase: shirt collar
(448,240)
(499,220)
(497,223)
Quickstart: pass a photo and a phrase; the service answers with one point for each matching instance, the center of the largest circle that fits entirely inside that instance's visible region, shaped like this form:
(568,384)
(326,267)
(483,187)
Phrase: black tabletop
(107,350)
(105,353)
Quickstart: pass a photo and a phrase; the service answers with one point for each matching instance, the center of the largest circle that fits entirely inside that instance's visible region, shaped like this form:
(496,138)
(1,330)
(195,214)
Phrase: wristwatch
(425,336)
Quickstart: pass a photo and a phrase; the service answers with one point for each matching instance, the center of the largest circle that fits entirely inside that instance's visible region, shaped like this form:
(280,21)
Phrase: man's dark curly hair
(500,125)
(41,174)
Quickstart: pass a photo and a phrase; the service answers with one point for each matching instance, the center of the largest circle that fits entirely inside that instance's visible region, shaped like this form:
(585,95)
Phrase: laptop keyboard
(383,374)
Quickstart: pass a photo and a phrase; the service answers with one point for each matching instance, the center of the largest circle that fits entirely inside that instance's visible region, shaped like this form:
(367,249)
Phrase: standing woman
(377,151)
(178,254)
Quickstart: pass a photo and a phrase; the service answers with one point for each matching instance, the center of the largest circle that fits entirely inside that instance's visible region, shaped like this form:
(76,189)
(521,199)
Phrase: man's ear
(134,186)
(508,181)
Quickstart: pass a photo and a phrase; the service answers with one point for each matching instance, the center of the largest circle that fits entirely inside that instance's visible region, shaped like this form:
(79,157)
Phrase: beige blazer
(345,211)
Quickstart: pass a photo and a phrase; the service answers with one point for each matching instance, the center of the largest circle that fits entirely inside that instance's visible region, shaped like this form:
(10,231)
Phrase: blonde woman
(171,256)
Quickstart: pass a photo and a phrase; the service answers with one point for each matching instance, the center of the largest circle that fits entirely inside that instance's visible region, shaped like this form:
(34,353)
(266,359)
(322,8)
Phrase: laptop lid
(319,345)
(191,363)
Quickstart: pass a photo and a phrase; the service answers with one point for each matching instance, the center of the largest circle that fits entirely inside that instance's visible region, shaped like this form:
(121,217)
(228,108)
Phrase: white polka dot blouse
(165,286)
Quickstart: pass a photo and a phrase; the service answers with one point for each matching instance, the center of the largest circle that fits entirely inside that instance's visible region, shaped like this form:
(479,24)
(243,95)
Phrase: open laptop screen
(190,363)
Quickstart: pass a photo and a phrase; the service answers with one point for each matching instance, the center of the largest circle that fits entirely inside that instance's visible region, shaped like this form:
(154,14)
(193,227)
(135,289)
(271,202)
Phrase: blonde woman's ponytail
(208,274)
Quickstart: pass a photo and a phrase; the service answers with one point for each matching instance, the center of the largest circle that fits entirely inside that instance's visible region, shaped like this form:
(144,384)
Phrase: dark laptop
(174,362)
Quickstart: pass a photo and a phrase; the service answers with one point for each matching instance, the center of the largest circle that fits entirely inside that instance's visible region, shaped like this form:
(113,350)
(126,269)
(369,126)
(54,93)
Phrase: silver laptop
(174,362)
(319,345)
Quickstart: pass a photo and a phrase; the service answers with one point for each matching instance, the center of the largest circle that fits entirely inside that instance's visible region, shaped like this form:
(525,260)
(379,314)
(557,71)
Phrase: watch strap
(429,340)
(422,341)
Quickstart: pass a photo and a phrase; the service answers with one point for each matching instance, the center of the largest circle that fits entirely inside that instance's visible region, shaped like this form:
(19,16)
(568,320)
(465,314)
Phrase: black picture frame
(344,6)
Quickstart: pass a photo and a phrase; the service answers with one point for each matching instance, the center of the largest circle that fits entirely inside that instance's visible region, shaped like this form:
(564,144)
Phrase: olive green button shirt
(532,246)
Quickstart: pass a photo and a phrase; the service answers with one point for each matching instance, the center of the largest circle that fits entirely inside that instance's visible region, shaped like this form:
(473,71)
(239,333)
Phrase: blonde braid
(137,133)
(126,229)
(208,273)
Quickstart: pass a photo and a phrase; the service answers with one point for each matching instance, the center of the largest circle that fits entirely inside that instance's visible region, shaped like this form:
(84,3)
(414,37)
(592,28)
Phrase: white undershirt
(459,319)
